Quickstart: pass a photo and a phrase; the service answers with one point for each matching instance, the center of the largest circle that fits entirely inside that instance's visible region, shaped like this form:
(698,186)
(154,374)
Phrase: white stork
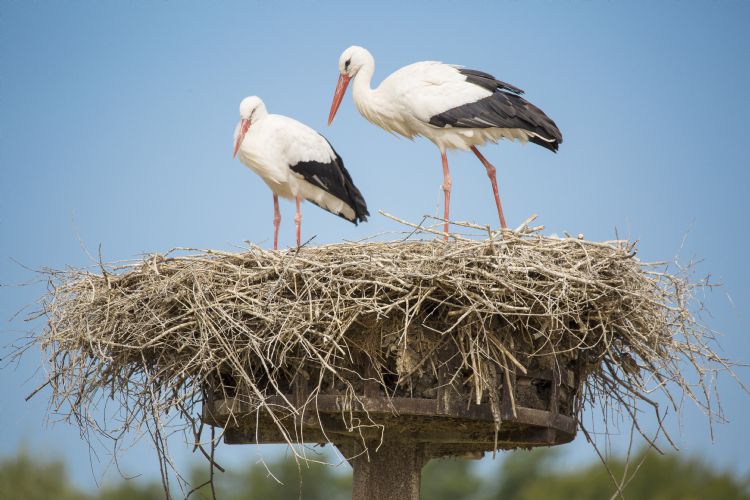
(454,107)
(295,162)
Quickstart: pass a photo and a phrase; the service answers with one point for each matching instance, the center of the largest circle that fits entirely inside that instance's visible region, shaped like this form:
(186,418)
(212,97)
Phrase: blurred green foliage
(22,477)
(280,479)
(540,474)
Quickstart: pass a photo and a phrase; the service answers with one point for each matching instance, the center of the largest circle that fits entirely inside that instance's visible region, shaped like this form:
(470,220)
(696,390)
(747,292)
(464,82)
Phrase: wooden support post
(390,470)
(449,400)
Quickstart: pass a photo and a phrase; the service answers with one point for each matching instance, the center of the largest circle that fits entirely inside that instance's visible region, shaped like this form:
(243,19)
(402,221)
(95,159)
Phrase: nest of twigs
(155,333)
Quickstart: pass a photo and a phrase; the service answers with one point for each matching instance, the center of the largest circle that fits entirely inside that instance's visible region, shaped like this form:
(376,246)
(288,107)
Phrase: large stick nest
(154,333)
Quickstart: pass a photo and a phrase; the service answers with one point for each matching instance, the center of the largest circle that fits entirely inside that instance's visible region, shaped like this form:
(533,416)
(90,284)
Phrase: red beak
(338,96)
(244,125)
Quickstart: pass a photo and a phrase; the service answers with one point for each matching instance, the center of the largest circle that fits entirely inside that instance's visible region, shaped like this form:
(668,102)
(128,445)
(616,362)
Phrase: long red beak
(338,96)
(244,125)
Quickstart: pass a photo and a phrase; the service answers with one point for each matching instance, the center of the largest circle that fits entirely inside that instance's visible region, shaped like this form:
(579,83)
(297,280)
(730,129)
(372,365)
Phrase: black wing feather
(333,178)
(488,81)
(505,108)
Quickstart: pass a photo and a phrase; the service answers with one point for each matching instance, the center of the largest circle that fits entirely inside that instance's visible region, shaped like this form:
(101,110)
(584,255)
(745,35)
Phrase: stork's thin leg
(446,192)
(298,220)
(493,180)
(276,221)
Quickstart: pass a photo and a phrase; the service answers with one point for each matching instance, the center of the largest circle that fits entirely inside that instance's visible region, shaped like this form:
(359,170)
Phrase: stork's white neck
(361,88)
(368,100)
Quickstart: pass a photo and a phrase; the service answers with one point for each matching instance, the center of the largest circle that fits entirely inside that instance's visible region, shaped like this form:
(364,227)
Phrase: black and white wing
(322,177)
(444,95)
(336,191)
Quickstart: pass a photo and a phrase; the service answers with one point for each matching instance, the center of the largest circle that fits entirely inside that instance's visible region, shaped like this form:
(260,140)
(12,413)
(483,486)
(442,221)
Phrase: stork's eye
(346,64)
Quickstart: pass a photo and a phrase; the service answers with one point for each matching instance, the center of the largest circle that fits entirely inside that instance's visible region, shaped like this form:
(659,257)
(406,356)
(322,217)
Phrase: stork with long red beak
(296,163)
(454,107)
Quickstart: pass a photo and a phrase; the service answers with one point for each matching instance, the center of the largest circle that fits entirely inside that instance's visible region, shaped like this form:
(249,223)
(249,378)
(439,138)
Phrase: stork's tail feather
(355,200)
(551,144)
(358,204)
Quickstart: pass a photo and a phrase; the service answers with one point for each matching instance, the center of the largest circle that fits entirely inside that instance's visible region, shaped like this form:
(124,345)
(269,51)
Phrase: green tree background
(520,476)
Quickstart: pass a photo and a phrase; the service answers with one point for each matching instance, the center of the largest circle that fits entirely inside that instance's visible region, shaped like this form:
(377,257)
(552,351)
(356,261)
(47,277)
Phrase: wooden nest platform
(525,410)
(412,348)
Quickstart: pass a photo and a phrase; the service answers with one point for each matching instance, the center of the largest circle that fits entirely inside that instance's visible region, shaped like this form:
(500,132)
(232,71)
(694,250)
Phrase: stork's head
(251,109)
(351,61)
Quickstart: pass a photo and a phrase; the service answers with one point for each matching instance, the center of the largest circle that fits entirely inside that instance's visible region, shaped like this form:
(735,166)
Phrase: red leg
(446,192)
(298,220)
(276,221)
(493,179)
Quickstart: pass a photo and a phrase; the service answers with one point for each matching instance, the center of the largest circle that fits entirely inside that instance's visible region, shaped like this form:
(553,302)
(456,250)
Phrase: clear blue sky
(116,124)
